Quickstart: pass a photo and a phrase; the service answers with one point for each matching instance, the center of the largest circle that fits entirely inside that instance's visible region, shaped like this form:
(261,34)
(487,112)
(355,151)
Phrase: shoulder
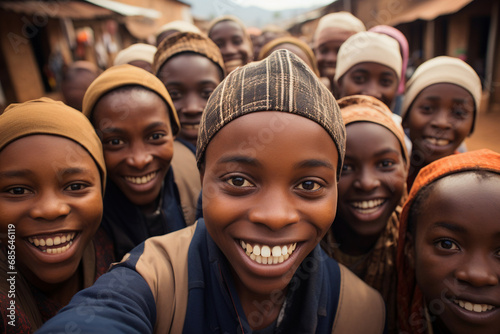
(361,308)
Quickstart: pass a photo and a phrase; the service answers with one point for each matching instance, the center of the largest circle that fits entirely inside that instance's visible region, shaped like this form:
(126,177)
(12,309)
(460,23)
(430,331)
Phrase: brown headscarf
(409,296)
(187,42)
(46,116)
(281,82)
(377,267)
(267,48)
(127,75)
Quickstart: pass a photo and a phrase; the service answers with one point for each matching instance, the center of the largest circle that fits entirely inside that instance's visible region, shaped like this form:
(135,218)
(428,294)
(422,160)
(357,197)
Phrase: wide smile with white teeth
(368,206)
(437,141)
(141,179)
(264,254)
(478,308)
(53,245)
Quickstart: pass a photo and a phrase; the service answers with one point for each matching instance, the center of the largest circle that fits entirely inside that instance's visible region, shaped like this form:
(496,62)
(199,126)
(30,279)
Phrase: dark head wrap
(187,42)
(281,82)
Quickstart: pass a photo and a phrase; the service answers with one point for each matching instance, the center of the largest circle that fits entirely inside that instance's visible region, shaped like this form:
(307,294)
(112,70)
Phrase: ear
(410,250)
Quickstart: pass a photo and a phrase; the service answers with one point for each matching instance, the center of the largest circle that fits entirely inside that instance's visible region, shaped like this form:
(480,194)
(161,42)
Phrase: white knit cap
(365,47)
(138,51)
(179,26)
(340,20)
(442,69)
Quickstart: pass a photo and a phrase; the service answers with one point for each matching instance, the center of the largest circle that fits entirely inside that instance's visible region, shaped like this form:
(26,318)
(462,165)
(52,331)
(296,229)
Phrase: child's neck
(260,310)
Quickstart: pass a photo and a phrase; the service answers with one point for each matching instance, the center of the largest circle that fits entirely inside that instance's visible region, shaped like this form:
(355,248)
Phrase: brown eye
(239,181)
(309,186)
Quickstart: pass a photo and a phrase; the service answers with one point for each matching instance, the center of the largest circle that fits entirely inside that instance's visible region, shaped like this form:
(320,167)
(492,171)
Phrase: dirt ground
(487,131)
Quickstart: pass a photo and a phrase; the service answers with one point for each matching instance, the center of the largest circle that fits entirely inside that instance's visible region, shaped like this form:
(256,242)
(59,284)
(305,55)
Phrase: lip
(368,214)
(472,317)
(270,270)
(151,179)
(54,257)
(436,144)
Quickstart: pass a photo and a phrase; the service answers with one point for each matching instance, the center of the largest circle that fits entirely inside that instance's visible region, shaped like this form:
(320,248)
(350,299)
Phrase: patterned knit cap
(187,42)
(281,82)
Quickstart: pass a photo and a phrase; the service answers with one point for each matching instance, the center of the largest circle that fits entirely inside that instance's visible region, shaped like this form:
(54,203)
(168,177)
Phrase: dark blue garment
(121,301)
(214,306)
(127,226)
(187,144)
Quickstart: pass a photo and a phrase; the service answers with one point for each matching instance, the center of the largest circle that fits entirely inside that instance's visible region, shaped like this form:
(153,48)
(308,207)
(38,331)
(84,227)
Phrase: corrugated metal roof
(428,10)
(58,9)
(127,10)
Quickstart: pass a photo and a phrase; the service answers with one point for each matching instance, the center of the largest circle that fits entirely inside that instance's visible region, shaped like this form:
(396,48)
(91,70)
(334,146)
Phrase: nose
(194,105)
(229,49)
(274,209)
(50,206)
(371,89)
(441,120)
(477,270)
(139,157)
(366,180)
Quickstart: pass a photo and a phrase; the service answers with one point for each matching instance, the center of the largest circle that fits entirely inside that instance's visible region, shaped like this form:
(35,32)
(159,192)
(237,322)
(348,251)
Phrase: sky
(279,4)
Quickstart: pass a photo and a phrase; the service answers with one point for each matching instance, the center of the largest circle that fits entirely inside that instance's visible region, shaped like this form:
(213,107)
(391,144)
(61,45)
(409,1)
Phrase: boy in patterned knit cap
(270,151)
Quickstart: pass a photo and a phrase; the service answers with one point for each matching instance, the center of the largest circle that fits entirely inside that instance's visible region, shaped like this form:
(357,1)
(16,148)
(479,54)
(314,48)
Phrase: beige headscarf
(368,47)
(138,51)
(377,267)
(443,69)
(333,23)
(46,116)
(280,82)
(127,75)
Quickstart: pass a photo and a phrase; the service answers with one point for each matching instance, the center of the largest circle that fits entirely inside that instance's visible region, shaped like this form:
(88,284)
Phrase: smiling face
(269,195)
(50,190)
(190,80)
(457,252)
(439,119)
(134,128)
(326,53)
(372,79)
(233,45)
(372,182)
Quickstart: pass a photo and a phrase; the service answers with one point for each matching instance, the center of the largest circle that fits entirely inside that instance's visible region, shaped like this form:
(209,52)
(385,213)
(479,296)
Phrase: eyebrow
(15,173)
(449,226)
(312,163)
(75,170)
(240,159)
(154,125)
(386,151)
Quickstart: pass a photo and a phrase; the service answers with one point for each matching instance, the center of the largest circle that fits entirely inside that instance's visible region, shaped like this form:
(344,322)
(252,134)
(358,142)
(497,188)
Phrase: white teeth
(478,308)
(191,126)
(266,255)
(438,142)
(265,251)
(53,242)
(370,205)
(140,180)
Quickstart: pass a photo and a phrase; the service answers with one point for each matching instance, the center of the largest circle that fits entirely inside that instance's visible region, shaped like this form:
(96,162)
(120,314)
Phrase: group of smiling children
(240,196)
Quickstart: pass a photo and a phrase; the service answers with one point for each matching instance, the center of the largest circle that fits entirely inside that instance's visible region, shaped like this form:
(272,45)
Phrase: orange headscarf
(411,306)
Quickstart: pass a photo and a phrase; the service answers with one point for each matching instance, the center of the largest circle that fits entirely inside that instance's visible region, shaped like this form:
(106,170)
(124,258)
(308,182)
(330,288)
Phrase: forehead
(179,63)
(116,104)
(466,198)
(371,133)
(225,28)
(372,68)
(38,150)
(445,90)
